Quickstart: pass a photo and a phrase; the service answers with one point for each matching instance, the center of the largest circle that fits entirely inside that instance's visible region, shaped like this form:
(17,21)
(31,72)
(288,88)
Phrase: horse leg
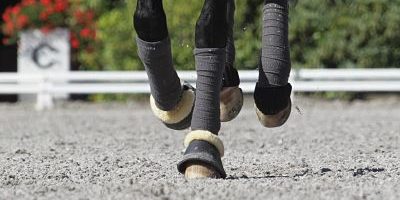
(272,93)
(171,102)
(231,98)
(150,20)
(204,149)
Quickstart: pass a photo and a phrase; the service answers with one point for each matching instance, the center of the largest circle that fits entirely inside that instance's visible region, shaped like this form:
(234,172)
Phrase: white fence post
(45,96)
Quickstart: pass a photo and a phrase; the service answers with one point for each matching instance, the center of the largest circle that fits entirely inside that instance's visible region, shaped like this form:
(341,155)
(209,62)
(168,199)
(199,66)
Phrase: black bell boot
(202,158)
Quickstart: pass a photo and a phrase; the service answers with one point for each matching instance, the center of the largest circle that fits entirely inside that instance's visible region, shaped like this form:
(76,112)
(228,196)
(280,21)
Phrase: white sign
(41,53)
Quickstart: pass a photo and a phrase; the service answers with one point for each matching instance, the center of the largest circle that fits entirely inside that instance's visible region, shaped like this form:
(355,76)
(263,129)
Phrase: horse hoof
(231,102)
(202,158)
(196,171)
(180,117)
(277,120)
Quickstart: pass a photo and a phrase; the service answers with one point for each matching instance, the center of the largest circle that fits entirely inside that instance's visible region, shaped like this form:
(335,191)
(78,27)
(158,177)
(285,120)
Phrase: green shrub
(323,34)
(116,49)
(345,33)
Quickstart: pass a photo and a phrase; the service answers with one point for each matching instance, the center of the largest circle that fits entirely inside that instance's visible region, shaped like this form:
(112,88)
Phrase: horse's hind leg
(204,149)
(231,98)
(272,93)
(171,102)
(150,20)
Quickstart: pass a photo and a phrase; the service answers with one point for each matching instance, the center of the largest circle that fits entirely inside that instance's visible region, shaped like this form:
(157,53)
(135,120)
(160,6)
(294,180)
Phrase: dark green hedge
(323,34)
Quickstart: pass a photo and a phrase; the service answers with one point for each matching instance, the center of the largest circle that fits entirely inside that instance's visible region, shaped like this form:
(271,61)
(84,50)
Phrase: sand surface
(327,150)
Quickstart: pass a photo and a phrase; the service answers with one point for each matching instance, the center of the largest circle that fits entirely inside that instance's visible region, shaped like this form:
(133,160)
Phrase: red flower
(16,9)
(28,2)
(85,33)
(90,15)
(22,21)
(60,6)
(43,16)
(50,14)
(6,15)
(75,43)
(79,16)
(45,2)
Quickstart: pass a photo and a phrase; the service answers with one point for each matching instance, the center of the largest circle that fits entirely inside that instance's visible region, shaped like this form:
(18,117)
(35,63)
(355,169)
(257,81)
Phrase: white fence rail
(303,80)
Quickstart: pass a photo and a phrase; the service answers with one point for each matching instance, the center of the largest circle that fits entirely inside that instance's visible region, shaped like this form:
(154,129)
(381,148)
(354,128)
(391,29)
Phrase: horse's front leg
(204,149)
(171,102)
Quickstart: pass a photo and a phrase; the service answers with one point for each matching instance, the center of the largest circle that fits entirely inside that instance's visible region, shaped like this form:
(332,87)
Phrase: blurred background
(323,34)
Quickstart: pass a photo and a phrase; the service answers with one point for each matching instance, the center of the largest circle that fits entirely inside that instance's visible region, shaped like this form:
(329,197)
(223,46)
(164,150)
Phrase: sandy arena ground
(327,150)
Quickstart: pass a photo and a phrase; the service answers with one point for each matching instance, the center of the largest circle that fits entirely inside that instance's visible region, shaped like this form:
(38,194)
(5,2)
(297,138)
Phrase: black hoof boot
(201,160)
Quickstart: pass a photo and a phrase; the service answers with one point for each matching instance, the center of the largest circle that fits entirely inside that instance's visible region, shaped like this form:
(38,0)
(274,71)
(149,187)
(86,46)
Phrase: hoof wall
(277,120)
(231,102)
(197,171)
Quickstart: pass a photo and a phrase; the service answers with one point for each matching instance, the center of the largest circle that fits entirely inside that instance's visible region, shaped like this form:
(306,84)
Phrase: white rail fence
(46,86)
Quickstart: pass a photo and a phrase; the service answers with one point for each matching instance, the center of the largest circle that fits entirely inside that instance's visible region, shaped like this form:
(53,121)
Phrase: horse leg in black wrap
(154,50)
(211,31)
(272,93)
(204,148)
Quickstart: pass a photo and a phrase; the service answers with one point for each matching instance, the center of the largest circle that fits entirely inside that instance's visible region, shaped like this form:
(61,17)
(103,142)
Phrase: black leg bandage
(275,55)
(209,65)
(165,84)
(210,56)
(154,50)
(272,93)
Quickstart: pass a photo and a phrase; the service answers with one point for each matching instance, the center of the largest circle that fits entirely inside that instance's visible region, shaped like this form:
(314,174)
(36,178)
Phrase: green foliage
(326,34)
(344,33)
(116,49)
(247,33)
(182,16)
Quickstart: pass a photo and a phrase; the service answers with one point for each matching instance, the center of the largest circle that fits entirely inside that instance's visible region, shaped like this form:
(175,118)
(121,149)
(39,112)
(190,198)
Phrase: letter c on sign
(37,53)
